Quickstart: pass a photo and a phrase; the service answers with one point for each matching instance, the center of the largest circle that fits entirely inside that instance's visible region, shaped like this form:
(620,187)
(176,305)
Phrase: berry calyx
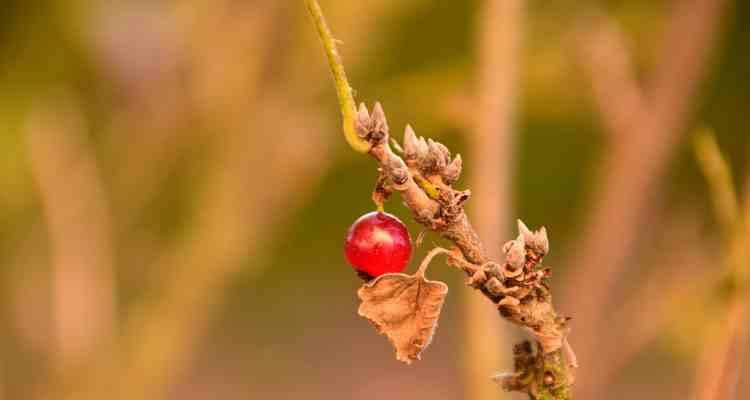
(378,243)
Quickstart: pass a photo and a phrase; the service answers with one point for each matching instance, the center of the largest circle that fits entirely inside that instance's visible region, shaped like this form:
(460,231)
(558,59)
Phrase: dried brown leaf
(405,308)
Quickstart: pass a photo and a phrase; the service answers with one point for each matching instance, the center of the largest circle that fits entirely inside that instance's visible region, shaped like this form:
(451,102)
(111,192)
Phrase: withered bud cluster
(372,127)
(517,278)
(518,287)
(431,158)
(424,176)
(536,241)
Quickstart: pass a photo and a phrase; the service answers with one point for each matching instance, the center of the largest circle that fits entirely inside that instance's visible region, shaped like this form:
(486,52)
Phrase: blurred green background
(175,192)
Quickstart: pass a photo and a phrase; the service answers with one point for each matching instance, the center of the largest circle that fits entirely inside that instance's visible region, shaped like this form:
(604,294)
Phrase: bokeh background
(175,190)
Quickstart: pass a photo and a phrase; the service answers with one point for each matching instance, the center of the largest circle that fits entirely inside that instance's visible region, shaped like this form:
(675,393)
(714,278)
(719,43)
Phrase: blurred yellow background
(175,189)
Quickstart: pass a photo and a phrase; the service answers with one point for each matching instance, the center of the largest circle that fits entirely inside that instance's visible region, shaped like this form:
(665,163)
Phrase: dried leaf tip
(411,143)
(372,127)
(439,155)
(523,230)
(363,121)
(422,149)
(452,172)
(542,242)
(362,113)
(377,119)
(537,241)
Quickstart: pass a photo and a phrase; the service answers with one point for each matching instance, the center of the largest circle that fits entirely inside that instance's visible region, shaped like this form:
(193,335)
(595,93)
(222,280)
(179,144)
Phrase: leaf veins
(405,308)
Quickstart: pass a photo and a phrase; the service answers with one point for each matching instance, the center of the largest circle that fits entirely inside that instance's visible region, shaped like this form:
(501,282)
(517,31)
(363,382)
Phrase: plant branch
(517,286)
(343,89)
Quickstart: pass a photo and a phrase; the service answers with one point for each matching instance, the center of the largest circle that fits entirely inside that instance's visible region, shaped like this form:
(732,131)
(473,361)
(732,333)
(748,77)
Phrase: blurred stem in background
(161,333)
(721,362)
(492,149)
(78,220)
(233,215)
(644,127)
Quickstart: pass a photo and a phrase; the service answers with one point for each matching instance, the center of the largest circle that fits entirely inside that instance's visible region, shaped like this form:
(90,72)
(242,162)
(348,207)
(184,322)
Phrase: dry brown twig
(424,178)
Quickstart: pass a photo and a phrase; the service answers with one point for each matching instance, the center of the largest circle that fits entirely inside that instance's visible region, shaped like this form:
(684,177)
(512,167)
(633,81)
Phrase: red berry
(378,243)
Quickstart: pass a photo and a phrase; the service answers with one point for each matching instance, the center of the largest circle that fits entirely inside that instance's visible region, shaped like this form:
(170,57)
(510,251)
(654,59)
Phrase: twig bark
(424,178)
(491,149)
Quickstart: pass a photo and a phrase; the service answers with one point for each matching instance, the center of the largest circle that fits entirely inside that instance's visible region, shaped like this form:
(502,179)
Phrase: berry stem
(428,258)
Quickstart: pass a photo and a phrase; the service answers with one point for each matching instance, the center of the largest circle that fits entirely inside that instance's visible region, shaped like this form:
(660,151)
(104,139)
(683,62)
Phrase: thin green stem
(343,90)
(720,182)
(428,187)
(726,206)
(720,364)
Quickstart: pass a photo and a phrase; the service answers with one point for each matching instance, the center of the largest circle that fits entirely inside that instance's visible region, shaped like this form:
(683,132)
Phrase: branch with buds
(424,177)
